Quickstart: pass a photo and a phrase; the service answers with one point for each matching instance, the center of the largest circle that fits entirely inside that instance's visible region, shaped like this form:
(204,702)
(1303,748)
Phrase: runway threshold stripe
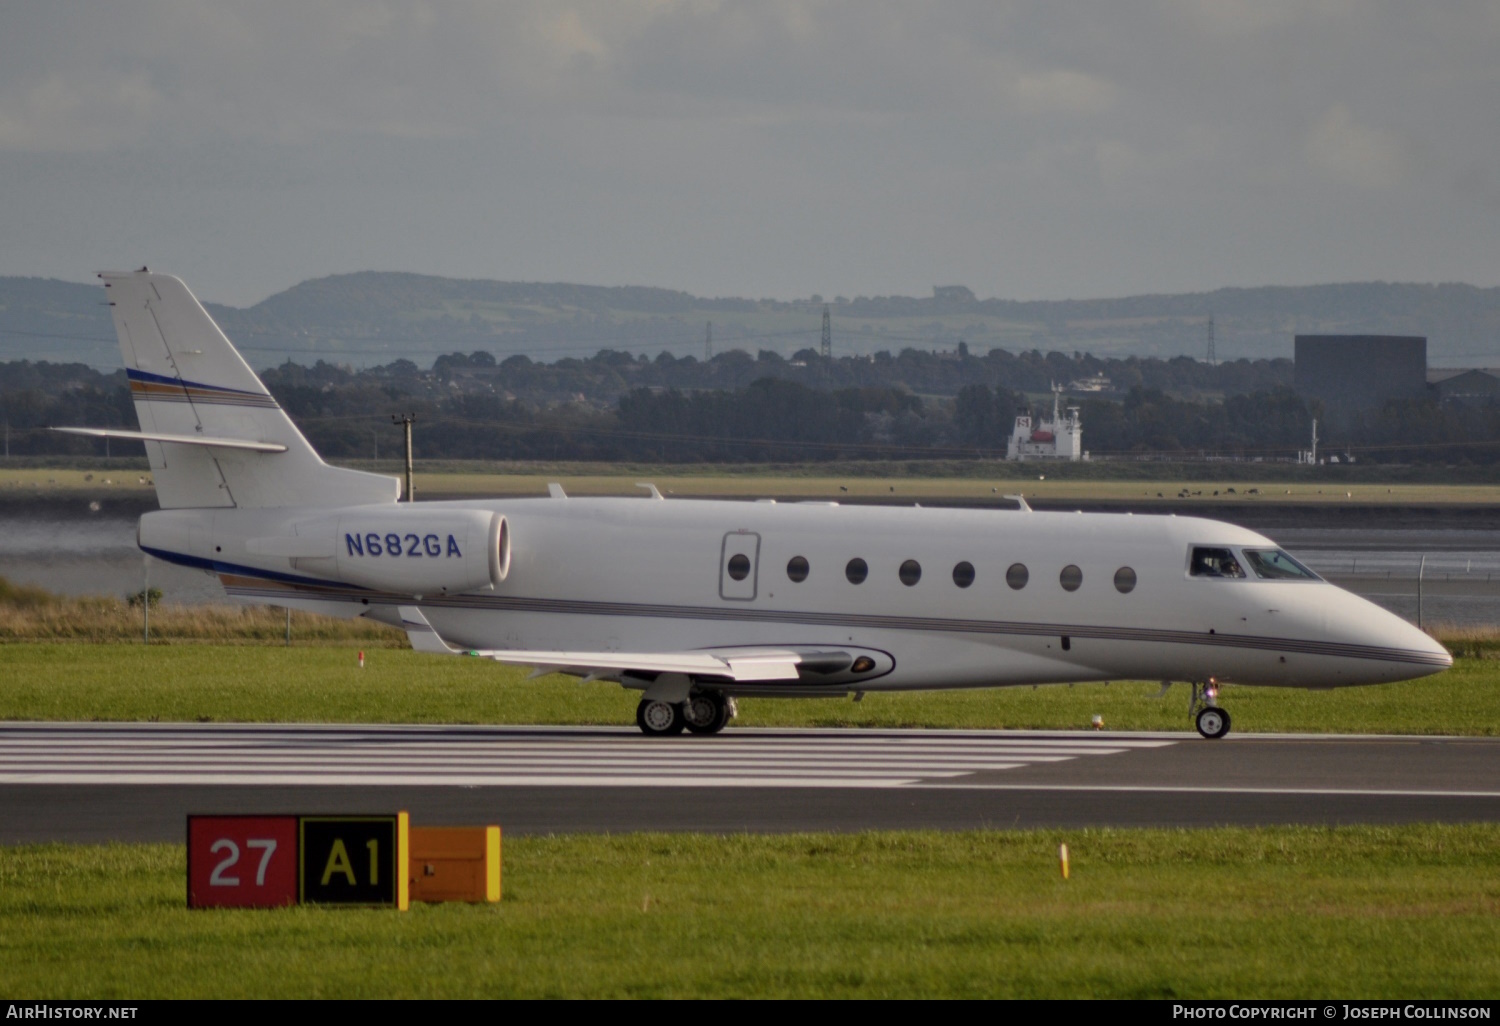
(455,780)
(252,774)
(374,759)
(851,751)
(1332,792)
(627,743)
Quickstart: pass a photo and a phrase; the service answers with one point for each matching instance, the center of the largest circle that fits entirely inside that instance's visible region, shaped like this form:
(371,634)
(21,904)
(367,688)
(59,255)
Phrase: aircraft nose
(1375,627)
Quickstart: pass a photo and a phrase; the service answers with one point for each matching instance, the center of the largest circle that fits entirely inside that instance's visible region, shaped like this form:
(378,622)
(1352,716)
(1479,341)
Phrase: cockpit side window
(1213,562)
(1276,565)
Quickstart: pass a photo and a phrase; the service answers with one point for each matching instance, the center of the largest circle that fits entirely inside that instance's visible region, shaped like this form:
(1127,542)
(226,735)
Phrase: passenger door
(739,565)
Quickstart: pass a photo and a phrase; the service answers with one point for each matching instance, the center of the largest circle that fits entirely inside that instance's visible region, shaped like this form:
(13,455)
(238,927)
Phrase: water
(87,554)
(92,556)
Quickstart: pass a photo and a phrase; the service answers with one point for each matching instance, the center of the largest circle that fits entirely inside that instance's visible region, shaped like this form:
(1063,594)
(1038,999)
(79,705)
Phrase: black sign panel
(349,860)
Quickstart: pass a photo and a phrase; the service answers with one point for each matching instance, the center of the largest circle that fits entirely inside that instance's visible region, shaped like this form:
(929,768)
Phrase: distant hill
(377,317)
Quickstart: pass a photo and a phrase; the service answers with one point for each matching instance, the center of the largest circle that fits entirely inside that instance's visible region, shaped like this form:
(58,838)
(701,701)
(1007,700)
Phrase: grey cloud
(778,147)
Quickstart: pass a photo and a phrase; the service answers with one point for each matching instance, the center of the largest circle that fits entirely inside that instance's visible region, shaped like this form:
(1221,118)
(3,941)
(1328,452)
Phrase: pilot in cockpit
(1215,563)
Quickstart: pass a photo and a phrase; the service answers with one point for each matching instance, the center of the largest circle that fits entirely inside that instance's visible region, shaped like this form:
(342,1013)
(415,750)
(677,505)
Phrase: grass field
(976,481)
(1041,485)
(1370,912)
(256,683)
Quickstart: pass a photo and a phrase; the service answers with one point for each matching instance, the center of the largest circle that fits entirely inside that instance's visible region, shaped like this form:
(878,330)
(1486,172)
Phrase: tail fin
(188,381)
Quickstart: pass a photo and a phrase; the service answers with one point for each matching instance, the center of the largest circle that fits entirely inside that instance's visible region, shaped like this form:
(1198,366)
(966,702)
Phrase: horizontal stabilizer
(151,436)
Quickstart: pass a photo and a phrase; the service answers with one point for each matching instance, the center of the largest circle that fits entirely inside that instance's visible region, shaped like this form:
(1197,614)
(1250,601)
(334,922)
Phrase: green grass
(1372,912)
(916,480)
(246,683)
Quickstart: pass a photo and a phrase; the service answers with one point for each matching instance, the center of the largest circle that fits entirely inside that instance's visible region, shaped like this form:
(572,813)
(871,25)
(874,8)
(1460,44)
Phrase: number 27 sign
(266,861)
(242,861)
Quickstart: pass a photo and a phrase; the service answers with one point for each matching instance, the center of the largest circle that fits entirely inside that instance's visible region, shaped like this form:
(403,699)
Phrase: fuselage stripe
(247,577)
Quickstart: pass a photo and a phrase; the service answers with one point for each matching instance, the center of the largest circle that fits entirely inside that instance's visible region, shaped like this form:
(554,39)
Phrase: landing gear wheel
(659,719)
(1213,722)
(707,712)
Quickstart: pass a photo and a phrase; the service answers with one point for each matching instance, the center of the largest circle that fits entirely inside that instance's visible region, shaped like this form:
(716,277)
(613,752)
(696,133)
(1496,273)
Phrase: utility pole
(1212,359)
(405,420)
(827,349)
(708,343)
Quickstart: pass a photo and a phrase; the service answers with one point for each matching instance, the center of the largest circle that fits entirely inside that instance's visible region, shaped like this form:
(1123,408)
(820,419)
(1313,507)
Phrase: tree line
(472,407)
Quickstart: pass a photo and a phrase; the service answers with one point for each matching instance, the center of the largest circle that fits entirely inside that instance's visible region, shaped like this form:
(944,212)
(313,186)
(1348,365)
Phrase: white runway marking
(523,756)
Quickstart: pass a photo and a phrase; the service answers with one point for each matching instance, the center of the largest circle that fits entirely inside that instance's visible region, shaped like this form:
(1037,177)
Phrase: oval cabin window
(1017,576)
(796,569)
(1070,578)
(910,572)
(739,566)
(963,574)
(1124,580)
(857,571)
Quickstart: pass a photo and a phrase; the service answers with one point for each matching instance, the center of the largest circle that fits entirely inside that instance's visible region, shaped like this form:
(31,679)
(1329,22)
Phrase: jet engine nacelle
(422,552)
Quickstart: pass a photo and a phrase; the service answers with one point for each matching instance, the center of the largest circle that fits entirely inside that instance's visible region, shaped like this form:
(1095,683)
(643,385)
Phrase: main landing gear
(1211,721)
(704,712)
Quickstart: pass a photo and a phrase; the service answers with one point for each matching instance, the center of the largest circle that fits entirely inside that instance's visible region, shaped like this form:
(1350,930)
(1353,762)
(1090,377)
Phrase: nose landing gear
(1211,721)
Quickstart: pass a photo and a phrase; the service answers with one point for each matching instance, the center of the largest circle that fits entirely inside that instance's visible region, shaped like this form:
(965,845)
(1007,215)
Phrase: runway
(92,782)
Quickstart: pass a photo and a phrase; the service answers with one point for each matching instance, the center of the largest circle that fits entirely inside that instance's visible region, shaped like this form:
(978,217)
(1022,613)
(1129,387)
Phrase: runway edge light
(1062,859)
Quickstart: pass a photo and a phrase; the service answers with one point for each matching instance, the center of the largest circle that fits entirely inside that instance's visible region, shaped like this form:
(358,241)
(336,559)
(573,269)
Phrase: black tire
(706,712)
(1213,722)
(659,719)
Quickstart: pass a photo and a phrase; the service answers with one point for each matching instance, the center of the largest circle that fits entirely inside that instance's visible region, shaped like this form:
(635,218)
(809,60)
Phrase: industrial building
(1352,373)
(1465,386)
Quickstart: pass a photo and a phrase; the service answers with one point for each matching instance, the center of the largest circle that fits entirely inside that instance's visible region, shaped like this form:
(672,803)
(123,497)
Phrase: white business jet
(693,603)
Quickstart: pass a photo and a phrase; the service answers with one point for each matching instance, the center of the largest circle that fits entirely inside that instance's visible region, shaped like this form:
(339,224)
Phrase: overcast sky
(765,148)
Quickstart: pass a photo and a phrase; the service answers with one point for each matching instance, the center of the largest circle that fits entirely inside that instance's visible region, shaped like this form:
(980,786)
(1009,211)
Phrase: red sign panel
(242,861)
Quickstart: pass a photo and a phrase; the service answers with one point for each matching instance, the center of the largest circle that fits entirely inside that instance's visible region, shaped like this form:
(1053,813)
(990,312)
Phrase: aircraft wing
(737,665)
(758,666)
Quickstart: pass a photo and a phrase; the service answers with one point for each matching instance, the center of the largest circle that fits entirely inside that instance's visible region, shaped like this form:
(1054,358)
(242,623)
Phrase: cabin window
(1276,565)
(963,574)
(1210,562)
(796,569)
(857,570)
(1070,578)
(1017,576)
(1124,580)
(739,566)
(910,572)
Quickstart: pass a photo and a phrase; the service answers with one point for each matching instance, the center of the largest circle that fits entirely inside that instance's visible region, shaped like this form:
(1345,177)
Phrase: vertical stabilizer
(187,379)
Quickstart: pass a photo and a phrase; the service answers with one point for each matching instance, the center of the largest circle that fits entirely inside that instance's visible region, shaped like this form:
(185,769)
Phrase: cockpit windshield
(1276,565)
(1210,562)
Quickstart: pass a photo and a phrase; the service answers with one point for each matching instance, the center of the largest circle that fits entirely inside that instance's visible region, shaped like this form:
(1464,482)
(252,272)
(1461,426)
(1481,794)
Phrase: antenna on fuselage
(1020,500)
